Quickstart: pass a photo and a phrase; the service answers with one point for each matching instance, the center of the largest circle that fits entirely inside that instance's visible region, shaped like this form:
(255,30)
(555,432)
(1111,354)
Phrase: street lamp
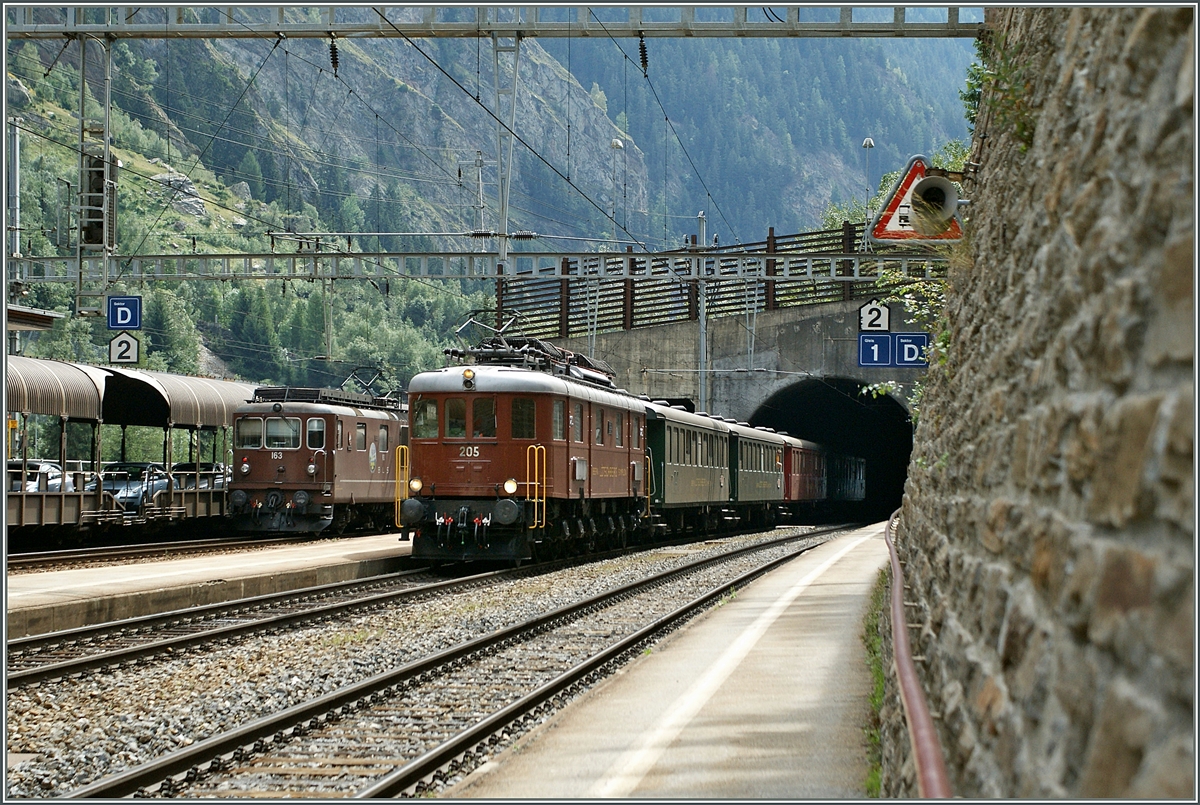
(616,145)
(867,145)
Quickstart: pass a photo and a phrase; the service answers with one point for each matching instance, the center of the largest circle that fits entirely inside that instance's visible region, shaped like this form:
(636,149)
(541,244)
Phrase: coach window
(283,432)
(483,422)
(577,423)
(456,418)
(524,422)
(360,435)
(316,434)
(425,420)
(559,420)
(688,438)
(620,429)
(383,440)
(247,433)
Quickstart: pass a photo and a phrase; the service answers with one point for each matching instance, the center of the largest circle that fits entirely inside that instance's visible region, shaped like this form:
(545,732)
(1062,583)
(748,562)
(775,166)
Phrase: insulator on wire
(333,55)
(642,51)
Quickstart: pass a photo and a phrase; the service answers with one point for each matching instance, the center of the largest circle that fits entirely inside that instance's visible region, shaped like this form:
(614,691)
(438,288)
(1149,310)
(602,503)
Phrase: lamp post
(867,145)
(616,145)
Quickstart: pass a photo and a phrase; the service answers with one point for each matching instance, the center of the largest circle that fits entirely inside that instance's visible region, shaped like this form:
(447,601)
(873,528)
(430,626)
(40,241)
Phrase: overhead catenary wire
(678,139)
(500,122)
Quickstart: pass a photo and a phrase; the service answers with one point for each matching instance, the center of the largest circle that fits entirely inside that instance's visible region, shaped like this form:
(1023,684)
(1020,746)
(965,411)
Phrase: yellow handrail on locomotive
(401,480)
(535,483)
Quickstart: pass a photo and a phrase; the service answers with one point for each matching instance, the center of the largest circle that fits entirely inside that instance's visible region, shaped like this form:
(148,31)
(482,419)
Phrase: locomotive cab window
(599,417)
(248,433)
(338,443)
(456,418)
(360,435)
(425,420)
(383,439)
(524,422)
(558,423)
(577,424)
(483,421)
(283,432)
(316,434)
(620,429)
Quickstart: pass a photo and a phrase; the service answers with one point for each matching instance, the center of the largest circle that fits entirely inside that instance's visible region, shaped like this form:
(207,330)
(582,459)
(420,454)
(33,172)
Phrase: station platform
(39,603)
(764,697)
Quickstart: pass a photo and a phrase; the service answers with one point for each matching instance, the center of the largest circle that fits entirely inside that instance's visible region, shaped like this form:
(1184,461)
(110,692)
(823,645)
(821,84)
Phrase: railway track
(406,731)
(59,560)
(40,658)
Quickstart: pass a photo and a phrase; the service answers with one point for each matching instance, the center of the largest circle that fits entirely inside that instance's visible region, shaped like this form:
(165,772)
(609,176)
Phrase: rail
(932,781)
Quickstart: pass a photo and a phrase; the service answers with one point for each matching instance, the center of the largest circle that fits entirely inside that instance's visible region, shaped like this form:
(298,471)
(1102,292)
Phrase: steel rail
(394,783)
(78,665)
(220,749)
(38,558)
(932,780)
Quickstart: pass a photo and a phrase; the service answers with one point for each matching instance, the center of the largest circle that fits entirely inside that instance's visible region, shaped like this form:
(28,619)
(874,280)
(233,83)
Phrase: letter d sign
(124,312)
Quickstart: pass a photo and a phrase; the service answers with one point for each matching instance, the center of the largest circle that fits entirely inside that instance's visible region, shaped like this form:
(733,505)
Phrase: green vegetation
(874,645)
(998,83)
(269,332)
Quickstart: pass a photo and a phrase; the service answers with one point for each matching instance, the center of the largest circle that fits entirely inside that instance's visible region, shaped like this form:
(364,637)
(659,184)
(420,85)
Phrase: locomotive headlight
(245,468)
(311,469)
(510,486)
(416,485)
(468,379)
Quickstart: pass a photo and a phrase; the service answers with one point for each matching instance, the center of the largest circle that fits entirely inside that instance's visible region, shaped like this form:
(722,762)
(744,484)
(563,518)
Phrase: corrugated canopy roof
(56,388)
(121,396)
(135,397)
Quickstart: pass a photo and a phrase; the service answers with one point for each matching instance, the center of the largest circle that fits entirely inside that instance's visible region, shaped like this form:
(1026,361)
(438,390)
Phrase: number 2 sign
(124,348)
(874,317)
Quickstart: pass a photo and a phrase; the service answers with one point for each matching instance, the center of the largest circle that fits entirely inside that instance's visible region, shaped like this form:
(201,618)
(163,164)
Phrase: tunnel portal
(832,412)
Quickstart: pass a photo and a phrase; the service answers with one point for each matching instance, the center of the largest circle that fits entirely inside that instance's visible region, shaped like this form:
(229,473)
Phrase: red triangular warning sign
(895,220)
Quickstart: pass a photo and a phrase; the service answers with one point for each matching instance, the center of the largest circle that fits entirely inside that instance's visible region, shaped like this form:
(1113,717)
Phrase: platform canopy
(159,399)
(119,396)
(55,388)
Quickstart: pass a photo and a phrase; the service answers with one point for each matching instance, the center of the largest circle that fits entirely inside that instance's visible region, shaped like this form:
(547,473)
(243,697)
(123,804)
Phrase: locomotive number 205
(468,451)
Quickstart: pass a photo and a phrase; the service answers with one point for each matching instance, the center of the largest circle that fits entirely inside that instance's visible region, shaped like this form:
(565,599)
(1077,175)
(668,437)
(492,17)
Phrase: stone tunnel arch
(832,412)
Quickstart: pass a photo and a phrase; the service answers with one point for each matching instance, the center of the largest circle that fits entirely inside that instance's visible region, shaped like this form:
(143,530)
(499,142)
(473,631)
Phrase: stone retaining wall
(1048,525)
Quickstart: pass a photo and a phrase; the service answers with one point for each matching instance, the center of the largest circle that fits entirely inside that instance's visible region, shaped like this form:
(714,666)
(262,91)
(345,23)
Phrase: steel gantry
(250,21)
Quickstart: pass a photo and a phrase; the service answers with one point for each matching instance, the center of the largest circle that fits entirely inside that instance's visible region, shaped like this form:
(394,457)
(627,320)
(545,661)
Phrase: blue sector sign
(910,349)
(892,349)
(124,312)
(874,349)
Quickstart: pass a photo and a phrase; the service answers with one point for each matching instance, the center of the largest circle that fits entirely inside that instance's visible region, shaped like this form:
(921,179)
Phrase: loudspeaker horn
(934,202)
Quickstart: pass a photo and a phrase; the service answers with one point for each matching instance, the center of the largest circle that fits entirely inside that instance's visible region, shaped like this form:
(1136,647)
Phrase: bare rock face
(18,95)
(181,193)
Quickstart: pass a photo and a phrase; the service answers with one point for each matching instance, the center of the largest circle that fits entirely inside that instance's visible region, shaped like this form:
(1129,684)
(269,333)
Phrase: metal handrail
(932,780)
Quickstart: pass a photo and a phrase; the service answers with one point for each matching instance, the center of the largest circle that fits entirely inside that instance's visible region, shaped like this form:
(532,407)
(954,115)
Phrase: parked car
(210,475)
(133,483)
(44,476)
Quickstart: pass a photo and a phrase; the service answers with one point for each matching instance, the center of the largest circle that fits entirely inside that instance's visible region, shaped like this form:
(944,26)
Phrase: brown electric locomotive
(309,459)
(515,464)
